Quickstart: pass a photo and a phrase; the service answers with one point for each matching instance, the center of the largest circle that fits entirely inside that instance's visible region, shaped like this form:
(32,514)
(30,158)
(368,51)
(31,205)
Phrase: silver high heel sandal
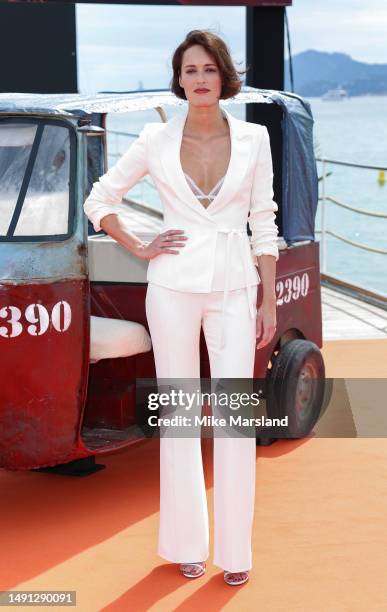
(185,571)
(244,576)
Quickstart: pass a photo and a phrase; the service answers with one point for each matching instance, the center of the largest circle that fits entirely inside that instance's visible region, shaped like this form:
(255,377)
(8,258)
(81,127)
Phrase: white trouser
(175,319)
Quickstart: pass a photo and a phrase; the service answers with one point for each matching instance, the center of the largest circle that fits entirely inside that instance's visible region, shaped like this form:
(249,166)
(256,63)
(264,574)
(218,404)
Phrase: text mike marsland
(211,421)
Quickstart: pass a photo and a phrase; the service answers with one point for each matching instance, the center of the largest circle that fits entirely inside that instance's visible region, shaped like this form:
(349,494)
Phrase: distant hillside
(315,72)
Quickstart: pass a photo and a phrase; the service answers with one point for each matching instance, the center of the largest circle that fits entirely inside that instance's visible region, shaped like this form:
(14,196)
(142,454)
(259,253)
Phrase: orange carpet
(356,358)
(320,535)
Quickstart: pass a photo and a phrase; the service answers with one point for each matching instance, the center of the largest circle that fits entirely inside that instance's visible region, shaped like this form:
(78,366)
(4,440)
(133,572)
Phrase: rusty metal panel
(44,350)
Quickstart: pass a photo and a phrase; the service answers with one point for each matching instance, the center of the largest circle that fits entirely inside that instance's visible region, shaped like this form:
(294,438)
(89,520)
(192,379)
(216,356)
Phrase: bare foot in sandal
(236,578)
(193,570)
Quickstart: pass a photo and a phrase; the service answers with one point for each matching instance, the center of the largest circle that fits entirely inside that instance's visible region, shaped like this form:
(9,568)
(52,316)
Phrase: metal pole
(323,219)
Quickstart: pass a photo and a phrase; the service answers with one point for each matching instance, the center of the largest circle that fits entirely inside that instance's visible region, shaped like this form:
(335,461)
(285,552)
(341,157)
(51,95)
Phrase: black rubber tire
(296,388)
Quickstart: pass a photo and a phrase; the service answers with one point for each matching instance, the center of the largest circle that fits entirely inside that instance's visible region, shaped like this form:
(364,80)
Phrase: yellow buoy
(381,177)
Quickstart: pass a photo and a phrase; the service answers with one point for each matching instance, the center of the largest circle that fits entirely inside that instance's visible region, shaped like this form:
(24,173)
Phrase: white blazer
(218,255)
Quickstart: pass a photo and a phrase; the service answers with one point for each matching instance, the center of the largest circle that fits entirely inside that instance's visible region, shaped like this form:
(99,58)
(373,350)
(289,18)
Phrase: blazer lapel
(169,151)
(241,150)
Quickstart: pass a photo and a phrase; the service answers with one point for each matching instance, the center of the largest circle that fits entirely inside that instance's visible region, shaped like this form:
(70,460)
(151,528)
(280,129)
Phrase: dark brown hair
(217,48)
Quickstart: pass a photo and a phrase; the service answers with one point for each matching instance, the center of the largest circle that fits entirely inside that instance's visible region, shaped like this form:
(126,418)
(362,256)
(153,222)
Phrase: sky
(119,47)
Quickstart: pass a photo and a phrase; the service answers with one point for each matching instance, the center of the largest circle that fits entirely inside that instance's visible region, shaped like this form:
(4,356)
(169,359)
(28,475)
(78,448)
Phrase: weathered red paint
(43,379)
(301,315)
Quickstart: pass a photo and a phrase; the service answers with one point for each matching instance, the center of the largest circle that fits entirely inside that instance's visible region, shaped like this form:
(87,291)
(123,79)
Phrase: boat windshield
(34,181)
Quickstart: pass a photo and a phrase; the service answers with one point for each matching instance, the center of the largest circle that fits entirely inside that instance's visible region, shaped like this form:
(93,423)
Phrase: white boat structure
(339,93)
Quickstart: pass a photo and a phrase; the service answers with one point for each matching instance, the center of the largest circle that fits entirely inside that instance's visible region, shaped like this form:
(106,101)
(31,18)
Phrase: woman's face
(199,71)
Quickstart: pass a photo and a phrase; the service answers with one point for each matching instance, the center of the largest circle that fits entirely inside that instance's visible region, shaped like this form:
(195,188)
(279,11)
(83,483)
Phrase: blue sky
(119,46)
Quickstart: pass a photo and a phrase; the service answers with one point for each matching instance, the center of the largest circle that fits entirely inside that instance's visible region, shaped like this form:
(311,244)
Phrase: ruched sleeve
(110,188)
(262,208)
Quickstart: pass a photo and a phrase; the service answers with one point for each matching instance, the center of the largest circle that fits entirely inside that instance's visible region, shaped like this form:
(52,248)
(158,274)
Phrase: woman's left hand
(266,322)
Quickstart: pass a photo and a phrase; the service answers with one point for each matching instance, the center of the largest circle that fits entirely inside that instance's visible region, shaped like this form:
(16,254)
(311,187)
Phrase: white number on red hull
(292,288)
(38,317)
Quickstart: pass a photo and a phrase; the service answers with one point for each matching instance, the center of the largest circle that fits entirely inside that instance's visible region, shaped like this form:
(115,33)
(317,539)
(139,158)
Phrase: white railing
(324,231)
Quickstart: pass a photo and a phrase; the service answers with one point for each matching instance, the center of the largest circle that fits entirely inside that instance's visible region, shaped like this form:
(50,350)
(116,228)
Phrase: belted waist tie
(244,247)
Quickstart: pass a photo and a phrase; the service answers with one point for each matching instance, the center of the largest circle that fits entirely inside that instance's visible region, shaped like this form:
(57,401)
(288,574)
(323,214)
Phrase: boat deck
(345,317)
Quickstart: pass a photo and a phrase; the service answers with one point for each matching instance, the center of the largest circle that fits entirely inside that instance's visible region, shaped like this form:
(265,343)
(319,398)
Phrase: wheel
(296,387)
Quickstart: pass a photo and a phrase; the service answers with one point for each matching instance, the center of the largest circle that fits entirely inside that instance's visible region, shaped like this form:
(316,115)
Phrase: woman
(213,173)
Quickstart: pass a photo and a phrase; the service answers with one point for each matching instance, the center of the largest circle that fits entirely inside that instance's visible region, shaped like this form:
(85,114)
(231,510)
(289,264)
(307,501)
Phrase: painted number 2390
(292,288)
(38,317)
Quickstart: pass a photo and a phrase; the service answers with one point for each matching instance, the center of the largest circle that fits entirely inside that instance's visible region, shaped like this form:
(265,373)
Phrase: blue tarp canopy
(299,171)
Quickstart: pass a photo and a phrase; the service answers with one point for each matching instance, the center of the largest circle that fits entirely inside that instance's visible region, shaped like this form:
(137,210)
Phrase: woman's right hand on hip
(166,242)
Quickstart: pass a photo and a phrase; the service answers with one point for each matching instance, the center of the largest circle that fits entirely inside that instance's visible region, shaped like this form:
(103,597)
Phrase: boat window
(35,194)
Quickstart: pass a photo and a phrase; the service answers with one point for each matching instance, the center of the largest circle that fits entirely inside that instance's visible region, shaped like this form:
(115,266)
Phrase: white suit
(211,283)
